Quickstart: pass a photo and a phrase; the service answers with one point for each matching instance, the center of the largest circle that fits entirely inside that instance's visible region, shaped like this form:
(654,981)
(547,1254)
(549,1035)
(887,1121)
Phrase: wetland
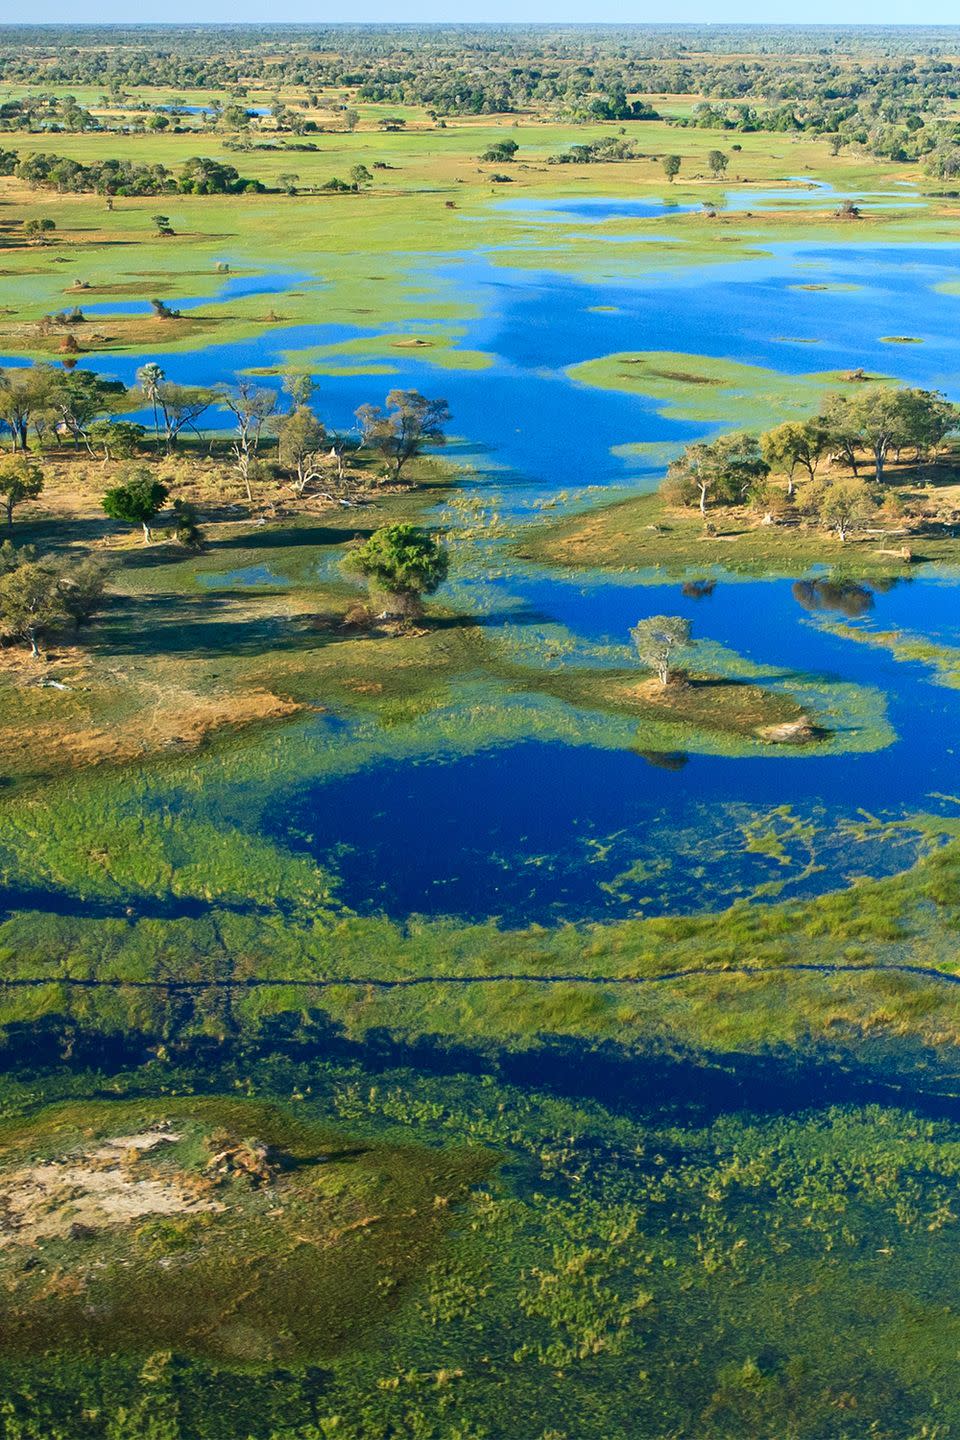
(418,1016)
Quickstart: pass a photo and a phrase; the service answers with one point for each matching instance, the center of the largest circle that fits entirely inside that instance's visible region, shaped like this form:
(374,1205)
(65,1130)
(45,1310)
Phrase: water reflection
(844,597)
(698,589)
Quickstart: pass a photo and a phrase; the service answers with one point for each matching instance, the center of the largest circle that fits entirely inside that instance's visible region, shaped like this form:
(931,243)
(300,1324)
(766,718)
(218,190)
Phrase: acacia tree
(137,500)
(410,422)
(301,438)
(403,563)
(20,479)
(31,603)
(794,443)
(843,505)
(181,407)
(659,640)
(730,469)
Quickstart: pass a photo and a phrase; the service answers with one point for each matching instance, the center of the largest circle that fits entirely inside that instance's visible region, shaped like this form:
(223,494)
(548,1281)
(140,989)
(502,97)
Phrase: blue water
(542,830)
(805,193)
(209,109)
(234,288)
(528,417)
(592,209)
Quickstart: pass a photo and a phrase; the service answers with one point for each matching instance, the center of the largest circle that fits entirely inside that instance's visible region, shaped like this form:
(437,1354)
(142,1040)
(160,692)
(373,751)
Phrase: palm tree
(150,377)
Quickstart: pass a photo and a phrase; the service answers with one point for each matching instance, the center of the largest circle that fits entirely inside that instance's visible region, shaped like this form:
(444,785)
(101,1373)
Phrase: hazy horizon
(859,13)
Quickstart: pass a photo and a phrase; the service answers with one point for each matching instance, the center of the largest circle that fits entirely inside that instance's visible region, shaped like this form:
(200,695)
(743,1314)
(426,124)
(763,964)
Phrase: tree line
(863,430)
(577,73)
(199,175)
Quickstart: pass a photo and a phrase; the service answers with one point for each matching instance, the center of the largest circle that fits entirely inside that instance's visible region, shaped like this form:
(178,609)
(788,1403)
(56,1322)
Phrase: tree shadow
(166,624)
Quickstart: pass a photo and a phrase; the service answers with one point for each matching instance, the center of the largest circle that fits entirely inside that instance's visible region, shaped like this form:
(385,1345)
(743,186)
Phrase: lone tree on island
(659,640)
(402,563)
(137,500)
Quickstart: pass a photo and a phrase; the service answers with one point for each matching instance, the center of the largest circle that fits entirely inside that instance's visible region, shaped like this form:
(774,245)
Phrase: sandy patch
(179,722)
(90,1191)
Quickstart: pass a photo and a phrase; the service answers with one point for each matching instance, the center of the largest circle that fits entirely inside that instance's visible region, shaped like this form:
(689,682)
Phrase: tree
(149,379)
(39,229)
(502,152)
(718,163)
(180,406)
(403,563)
(928,417)
(79,397)
(301,437)
(20,479)
(300,386)
(120,439)
(234,117)
(31,603)
(671,167)
(163,225)
(137,500)
(731,470)
(81,585)
(251,408)
(351,119)
(843,505)
(360,176)
(25,394)
(411,422)
(794,443)
(659,640)
(189,533)
(881,418)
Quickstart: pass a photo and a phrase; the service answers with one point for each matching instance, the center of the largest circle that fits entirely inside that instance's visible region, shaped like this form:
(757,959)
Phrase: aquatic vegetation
(221,1228)
(943,659)
(410,1027)
(699,387)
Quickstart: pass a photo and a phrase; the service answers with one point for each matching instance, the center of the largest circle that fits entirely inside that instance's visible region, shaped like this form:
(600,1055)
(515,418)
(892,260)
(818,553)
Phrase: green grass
(646,537)
(284,1272)
(702,388)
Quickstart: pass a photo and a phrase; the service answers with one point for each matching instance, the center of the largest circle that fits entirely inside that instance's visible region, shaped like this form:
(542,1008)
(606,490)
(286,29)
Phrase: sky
(765,12)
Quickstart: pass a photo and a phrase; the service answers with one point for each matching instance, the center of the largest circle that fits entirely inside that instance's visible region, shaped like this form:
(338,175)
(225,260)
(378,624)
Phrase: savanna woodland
(479,699)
